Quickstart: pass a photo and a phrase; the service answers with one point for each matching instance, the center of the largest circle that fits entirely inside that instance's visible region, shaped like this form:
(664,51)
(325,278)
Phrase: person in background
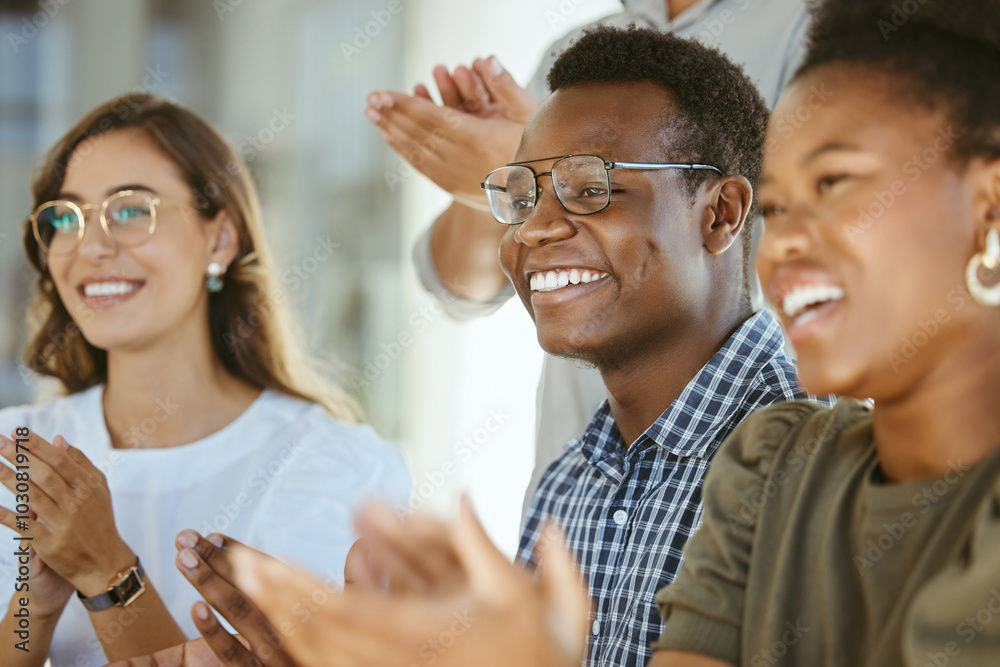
(187,403)
(478,126)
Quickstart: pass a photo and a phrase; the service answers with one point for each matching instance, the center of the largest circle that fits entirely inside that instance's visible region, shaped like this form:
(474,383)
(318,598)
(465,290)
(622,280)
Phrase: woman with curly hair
(869,535)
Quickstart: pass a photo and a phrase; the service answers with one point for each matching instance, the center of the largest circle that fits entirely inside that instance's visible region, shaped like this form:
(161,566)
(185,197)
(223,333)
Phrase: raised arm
(476,129)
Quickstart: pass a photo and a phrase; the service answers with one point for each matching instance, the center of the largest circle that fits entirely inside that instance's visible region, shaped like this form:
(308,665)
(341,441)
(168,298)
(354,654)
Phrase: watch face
(129,587)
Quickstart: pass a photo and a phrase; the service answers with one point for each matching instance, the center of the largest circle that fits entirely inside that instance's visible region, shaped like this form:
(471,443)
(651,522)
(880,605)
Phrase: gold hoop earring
(990,260)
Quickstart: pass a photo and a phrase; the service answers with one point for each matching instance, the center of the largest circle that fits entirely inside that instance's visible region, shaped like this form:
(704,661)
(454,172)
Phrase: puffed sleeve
(703,607)
(955,618)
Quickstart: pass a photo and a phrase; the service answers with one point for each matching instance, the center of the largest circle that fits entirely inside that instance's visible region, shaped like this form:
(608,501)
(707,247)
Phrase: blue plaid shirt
(628,511)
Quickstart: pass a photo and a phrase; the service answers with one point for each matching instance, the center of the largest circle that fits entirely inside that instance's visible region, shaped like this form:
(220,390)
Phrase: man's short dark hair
(720,116)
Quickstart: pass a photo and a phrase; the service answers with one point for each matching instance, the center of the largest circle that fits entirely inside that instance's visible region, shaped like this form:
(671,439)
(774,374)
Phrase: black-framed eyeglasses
(582,184)
(128,218)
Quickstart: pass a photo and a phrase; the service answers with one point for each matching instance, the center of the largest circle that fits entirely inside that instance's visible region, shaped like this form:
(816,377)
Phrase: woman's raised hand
(73,529)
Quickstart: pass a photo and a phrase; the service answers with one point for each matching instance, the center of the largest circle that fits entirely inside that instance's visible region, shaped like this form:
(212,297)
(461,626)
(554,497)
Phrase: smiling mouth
(804,303)
(548,281)
(111,288)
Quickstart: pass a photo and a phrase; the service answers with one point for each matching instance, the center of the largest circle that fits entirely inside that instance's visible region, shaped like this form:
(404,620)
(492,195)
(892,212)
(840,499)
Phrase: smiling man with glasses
(628,210)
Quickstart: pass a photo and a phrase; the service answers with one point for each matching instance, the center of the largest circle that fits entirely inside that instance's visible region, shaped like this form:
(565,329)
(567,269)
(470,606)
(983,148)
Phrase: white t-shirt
(284,477)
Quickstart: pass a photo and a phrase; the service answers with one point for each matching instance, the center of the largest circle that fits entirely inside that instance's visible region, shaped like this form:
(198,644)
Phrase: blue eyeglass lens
(133,210)
(57,219)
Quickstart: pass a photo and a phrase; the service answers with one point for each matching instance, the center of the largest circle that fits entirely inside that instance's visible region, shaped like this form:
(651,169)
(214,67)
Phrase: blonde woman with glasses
(188,402)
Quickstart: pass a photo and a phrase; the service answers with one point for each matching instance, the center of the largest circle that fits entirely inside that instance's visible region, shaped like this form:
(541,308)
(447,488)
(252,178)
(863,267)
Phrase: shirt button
(597,627)
(620,517)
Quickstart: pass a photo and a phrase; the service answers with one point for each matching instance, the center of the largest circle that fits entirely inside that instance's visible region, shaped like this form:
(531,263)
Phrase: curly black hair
(941,54)
(720,116)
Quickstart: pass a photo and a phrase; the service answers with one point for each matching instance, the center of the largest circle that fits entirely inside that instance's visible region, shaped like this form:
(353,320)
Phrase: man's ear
(729,204)
(225,240)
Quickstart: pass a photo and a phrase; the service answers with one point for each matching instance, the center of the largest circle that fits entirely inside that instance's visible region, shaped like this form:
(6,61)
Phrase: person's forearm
(142,628)
(681,659)
(25,639)
(464,246)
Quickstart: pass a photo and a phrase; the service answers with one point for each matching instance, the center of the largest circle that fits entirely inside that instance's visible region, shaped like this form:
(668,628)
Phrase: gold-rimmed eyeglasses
(128,218)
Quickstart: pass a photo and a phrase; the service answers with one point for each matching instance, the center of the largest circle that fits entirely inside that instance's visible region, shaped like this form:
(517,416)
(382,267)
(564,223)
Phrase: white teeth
(557,279)
(803,296)
(109,289)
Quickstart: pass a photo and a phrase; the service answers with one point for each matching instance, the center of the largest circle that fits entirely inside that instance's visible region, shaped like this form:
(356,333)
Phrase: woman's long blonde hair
(249,320)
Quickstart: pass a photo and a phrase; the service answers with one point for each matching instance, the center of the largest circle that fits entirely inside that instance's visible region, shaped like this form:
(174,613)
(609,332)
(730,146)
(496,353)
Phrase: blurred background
(285,81)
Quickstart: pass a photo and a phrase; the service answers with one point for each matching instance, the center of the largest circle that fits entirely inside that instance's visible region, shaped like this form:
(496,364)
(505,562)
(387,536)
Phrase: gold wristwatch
(125,588)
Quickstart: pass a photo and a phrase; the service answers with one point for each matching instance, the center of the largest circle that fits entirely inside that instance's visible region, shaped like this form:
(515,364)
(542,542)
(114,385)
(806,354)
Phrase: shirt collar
(655,11)
(689,426)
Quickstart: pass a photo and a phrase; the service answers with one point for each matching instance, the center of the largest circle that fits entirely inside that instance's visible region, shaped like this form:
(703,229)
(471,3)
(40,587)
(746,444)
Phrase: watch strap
(126,588)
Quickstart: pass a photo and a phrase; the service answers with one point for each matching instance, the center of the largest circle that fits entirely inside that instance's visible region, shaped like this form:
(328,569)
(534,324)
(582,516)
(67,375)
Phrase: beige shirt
(807,556)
